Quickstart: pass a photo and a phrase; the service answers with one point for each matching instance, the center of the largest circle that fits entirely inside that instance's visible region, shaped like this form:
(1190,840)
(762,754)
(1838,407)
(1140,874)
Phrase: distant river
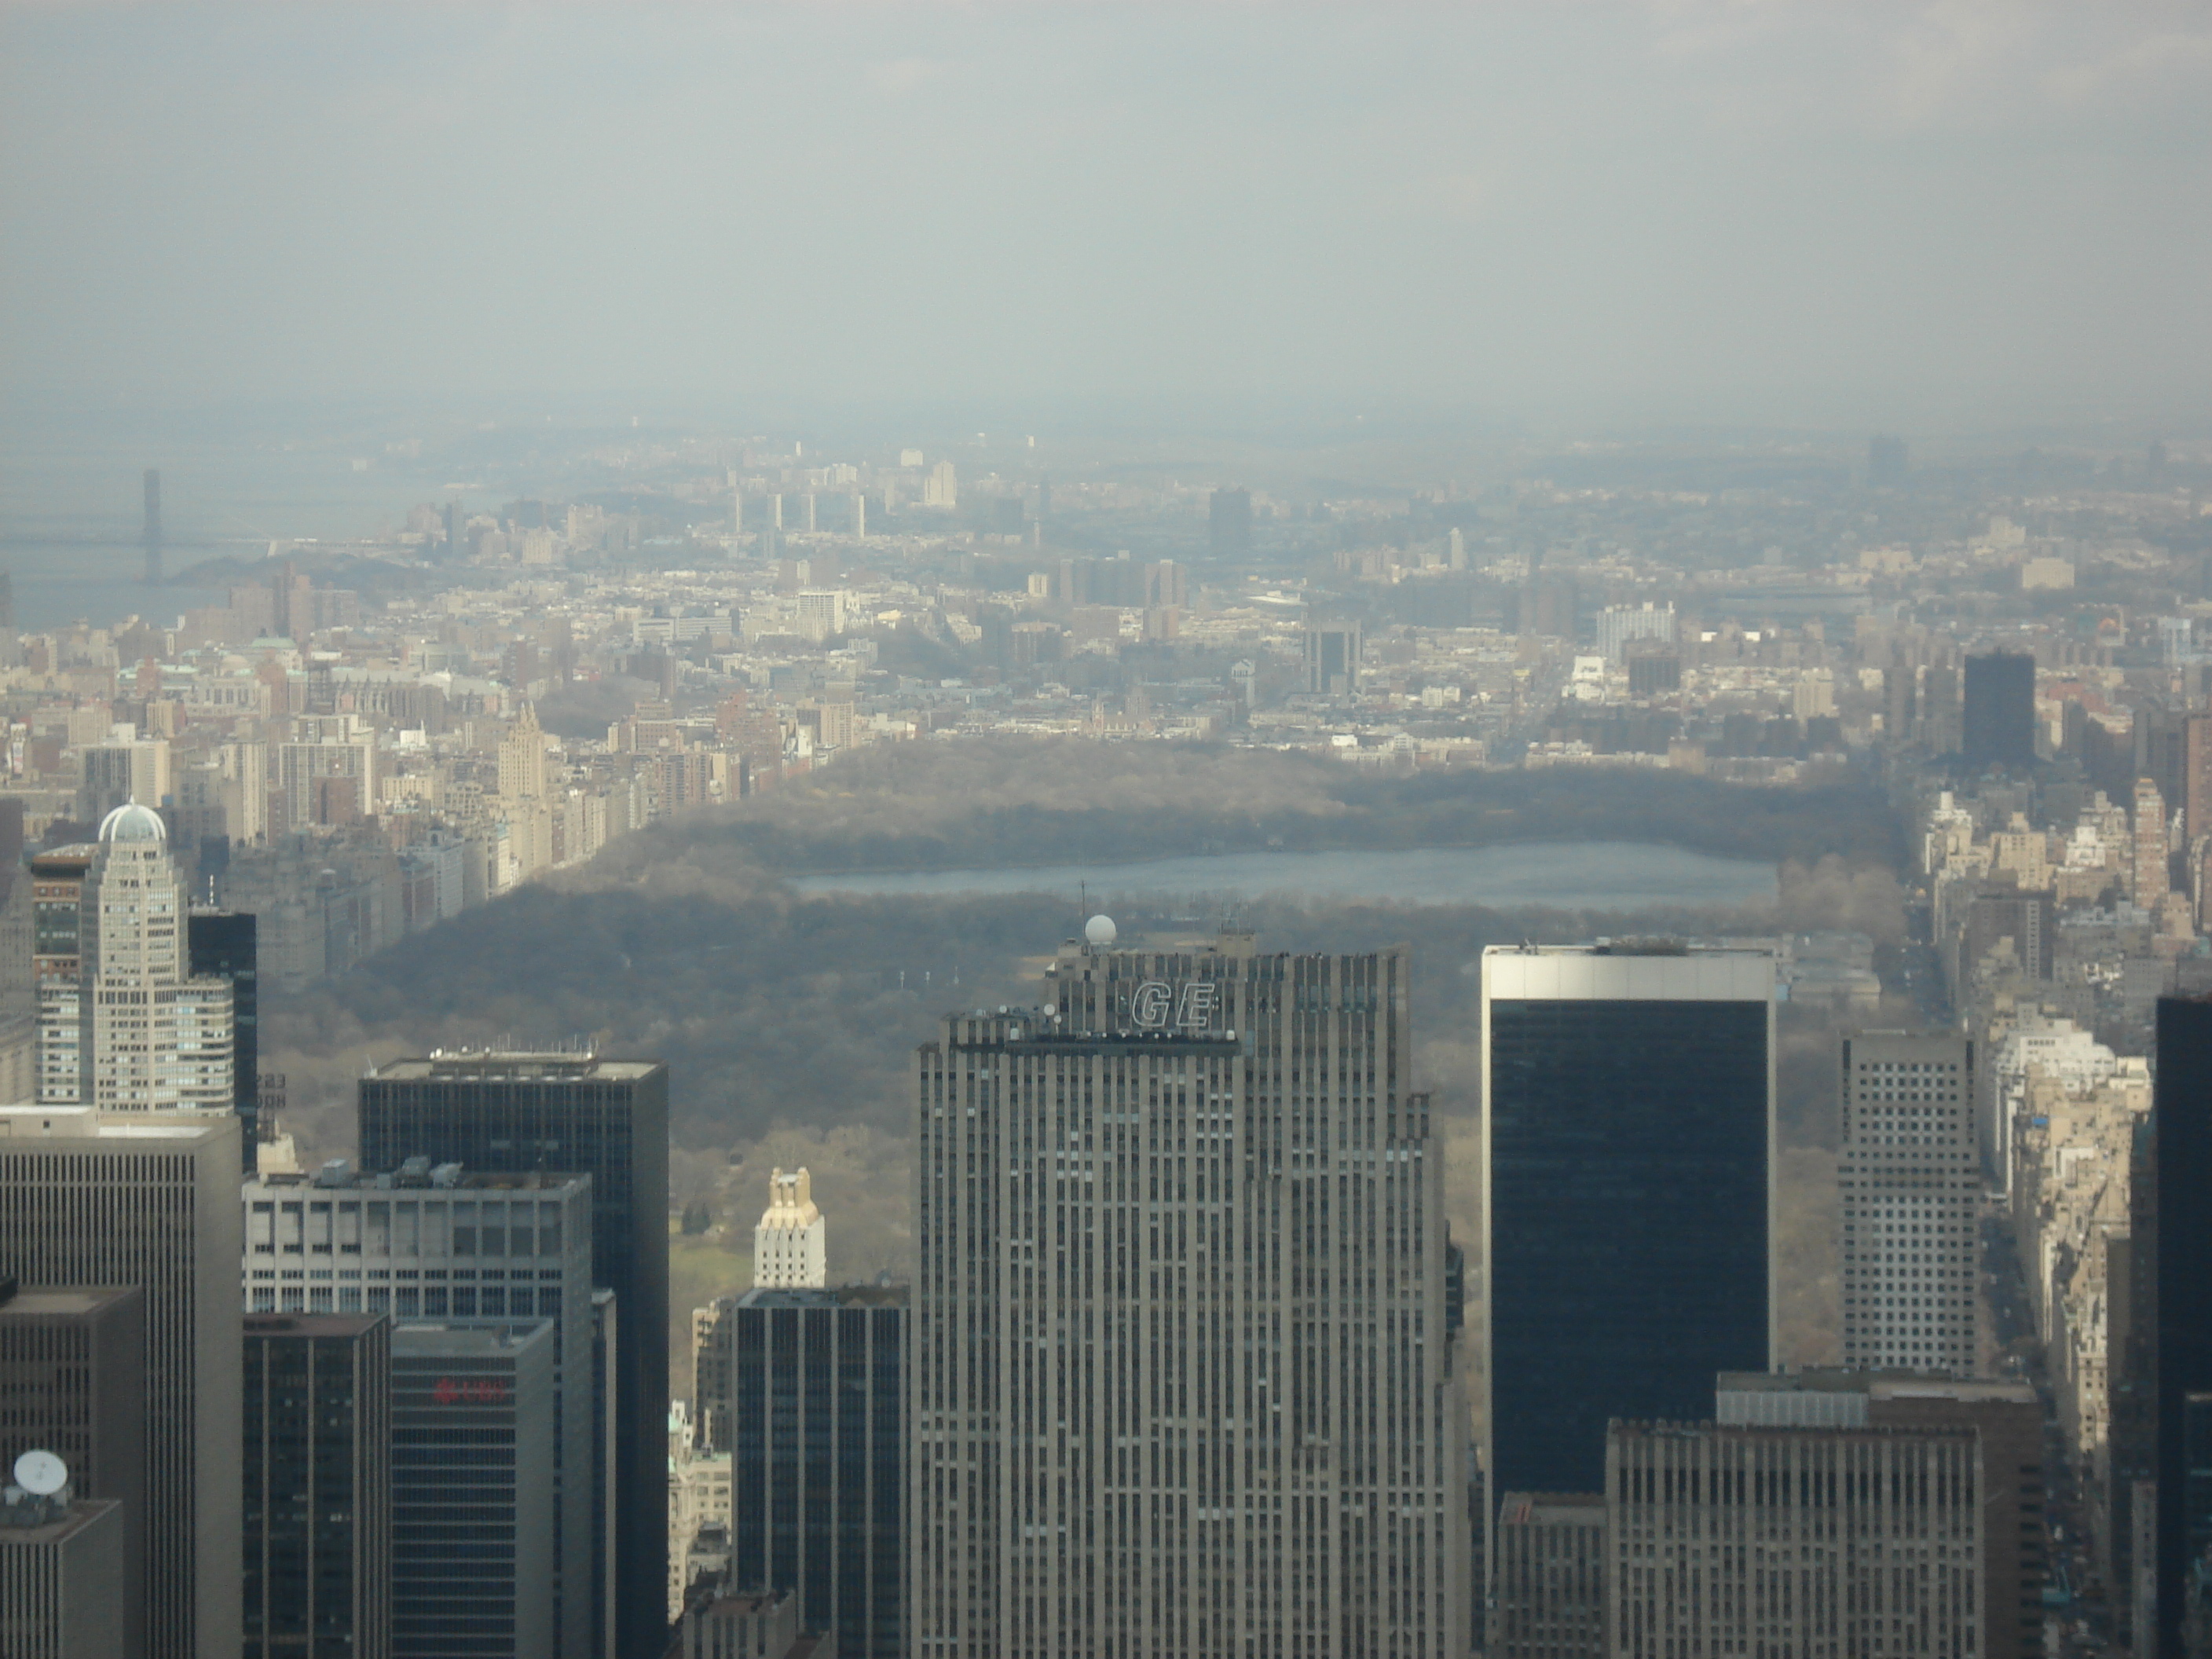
(1598,875)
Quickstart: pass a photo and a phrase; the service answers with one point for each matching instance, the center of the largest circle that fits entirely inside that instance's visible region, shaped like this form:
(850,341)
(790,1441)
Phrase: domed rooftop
(133,822)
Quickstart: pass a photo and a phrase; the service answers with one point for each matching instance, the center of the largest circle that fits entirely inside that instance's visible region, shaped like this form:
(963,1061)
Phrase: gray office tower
(150,1199)
(61,1578)
(578,1115)
(1182,1366)
(225,944)
(318,1486)
(424,1244)
(1626,1147)
(803,1389)
(73,1382)
(2180,1246)
(472,1490)
(1909,1176)
(1999,716)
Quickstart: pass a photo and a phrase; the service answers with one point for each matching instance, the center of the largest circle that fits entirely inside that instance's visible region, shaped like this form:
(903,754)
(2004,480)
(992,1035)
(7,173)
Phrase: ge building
(1183,1357)
(1627,1186)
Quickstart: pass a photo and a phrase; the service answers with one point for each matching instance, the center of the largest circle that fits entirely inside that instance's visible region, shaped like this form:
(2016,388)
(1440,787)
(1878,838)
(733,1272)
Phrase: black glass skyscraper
(2000,711)
(224,945)
(575,1114)
(1627,1187)
(2181,1150)
(318,1442)
(803,1389)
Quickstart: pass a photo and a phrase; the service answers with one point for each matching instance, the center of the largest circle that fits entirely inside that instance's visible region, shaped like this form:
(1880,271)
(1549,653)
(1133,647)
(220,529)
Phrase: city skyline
(963,830)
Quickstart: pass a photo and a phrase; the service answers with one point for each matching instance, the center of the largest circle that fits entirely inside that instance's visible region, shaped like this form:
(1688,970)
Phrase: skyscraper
(1550,1576)
(1334,649)
(318,1410)
(151,1200)
(2005,1419)
(607,1119)
(420,1243)
(1886,461)
(1620,1084)
(791,1248)
(72,1382)
(1881,1528)
(2152,881)
(2181,1321)
(225,944)
(473,1537)
(144,1032)
(1910,1176)
(1183,1361)
(802,1387)
(1229,523)
(62,1590)
(1999,715)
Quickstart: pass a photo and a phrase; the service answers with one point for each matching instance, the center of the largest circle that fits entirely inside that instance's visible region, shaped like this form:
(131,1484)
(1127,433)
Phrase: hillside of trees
(789,1023)
(975,805)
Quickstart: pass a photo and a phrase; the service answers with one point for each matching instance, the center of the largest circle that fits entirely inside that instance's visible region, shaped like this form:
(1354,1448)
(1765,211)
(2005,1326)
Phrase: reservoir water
(1599,875)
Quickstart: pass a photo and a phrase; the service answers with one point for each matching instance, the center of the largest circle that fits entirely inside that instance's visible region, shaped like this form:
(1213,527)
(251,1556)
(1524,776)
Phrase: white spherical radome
(1100,930)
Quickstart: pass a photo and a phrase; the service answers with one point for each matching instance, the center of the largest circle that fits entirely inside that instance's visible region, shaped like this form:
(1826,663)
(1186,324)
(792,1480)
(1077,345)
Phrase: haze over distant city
(1428,788)
(1925,215)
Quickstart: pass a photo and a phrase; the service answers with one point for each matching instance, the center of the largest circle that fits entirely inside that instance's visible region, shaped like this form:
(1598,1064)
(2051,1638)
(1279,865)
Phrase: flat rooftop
(1541,1508)
(310,1324)
(472,1181)
(36,1123)
(67,1302)
(516,1067)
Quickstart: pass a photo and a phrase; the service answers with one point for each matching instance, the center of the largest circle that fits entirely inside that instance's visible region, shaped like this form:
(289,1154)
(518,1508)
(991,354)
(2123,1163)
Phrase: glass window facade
(803,1389)
(1628,1226)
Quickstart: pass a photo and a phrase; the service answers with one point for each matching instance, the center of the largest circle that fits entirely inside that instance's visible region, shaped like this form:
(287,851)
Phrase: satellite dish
(1100,930)
(41,1473)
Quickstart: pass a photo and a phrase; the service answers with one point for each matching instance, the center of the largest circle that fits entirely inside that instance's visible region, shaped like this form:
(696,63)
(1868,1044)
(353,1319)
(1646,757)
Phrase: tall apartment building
(1617,1082)
(1910,1177)
(132,1029)
(116,774)
(1182,1360)
(420,1244)
(1725,1539)
(318,1432)
(151,1200)
(2179,1248)
(72,1382)
(2147,846)
(802,1388)
(473,1537)
(57,898)
(1620,625)
(580,1115)
(791,1248)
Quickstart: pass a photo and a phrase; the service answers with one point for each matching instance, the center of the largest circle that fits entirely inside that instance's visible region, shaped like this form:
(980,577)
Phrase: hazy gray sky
(1950,212)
